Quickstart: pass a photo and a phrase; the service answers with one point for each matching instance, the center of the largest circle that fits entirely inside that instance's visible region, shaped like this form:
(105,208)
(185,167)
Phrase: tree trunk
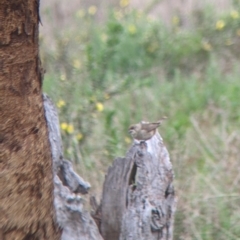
(26,179)
(138,199)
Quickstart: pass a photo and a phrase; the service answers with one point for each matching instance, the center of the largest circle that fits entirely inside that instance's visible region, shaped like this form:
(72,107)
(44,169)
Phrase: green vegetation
(105,76)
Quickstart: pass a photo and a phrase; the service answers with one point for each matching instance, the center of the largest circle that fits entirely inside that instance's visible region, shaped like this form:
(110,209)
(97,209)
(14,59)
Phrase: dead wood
(71,216)
(138,199)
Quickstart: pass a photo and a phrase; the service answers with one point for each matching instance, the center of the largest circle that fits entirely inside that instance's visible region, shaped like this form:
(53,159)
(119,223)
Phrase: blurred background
(113,63)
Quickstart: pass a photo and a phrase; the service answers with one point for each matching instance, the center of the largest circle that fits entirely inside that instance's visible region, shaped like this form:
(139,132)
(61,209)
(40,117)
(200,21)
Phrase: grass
(103,77)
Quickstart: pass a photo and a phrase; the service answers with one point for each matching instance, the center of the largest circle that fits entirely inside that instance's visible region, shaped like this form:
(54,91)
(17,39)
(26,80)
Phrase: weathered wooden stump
(138,199)
(76,222)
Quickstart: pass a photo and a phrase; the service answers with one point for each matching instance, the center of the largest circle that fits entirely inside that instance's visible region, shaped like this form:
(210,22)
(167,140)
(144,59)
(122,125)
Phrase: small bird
(143,131)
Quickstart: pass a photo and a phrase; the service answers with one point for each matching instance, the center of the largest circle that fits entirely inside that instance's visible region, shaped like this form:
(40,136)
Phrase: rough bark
(26,179)
(75,221)
(138,197)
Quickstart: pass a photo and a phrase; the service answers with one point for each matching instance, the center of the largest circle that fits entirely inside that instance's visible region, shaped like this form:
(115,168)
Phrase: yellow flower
(206,46)
(229,42)
(124,3)
(63,77)
(79,136)
(80,13)
(132,29)
(175,20)
(127,140)
(220,24)
(92,10)
(64,126)
(60,103)
(77,64)
(67,127)
(70,128)
(99,107)
(238,32)
(234,14)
